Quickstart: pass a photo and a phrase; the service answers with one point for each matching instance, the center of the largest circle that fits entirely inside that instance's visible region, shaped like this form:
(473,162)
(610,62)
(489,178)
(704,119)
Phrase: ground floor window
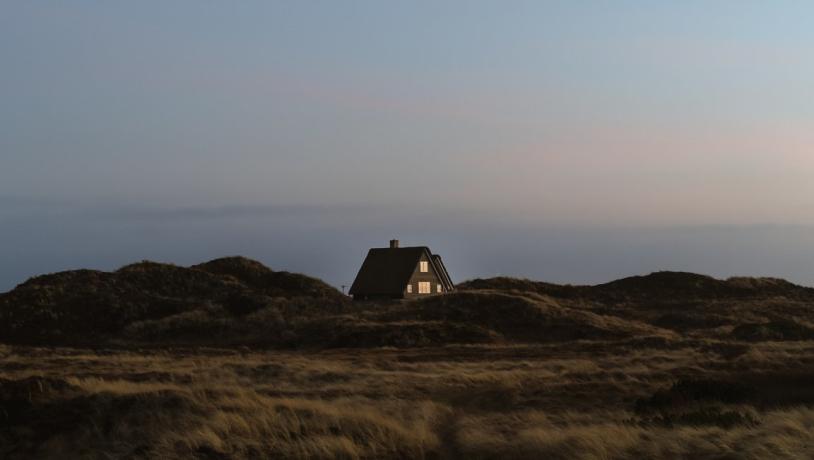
(409,289)
(439,288)
(424,287)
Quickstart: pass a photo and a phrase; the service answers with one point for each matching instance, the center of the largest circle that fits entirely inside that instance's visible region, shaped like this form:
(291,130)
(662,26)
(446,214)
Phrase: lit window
(409,288)
(424,266)
(424,287)
(439,288)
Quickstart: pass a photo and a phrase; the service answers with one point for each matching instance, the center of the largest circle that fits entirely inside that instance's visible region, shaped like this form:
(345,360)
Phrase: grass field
(232,360)
(582,399)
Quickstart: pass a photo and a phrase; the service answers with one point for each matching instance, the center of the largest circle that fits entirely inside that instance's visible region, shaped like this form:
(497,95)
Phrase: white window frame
(424,287)
(410,288)
(424,266)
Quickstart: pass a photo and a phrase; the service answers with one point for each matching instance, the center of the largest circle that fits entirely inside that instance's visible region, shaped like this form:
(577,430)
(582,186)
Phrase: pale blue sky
(571,141)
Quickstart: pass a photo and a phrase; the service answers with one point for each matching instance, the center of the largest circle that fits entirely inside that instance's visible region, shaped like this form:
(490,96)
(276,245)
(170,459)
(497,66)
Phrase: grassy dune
(232,360)
(591,400)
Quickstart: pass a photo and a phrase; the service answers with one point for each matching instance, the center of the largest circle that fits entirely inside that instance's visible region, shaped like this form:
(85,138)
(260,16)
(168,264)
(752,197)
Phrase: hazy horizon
(330,243)
(551,140)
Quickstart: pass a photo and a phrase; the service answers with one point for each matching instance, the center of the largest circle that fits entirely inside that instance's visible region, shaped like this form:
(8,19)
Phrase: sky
(566,141)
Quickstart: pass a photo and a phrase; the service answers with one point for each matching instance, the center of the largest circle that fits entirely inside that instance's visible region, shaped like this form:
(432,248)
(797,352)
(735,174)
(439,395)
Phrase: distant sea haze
(331,242)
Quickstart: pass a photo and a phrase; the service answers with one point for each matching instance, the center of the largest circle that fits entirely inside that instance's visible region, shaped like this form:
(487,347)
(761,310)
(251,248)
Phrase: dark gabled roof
(386,271)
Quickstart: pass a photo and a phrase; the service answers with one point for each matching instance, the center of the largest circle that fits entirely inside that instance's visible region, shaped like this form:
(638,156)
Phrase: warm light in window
(424,287)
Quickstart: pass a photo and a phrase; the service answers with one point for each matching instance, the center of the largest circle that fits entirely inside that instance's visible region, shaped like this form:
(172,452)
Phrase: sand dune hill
(523,318)
(230,359)
(662,286)
(238,301)
(92,307)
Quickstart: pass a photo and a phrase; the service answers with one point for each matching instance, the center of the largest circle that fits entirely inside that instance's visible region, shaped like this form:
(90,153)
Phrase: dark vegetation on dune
(148,300)
(238,301)
(746,309)
(657,288)
(230,359)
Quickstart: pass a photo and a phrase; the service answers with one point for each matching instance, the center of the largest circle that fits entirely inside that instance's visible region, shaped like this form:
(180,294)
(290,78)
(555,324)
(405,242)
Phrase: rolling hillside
(238,301)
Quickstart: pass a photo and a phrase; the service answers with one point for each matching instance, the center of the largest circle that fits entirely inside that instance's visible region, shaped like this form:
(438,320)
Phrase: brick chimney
(394,244)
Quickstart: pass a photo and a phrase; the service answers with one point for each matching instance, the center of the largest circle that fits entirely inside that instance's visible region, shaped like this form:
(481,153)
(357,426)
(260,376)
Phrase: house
(400,273)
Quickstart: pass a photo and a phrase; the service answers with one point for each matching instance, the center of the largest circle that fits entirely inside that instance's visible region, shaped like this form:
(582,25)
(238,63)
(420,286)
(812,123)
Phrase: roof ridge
(405,247)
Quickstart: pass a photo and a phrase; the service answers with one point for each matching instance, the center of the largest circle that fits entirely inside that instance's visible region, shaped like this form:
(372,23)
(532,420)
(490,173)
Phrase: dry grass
(666,366)
(783,434)
(531,401)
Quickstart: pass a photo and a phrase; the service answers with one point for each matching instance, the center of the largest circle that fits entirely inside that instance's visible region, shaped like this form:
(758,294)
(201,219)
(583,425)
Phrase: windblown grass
(521,401)
(667,366)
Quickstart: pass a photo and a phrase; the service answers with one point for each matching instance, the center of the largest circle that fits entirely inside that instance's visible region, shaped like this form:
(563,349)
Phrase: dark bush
(687,392)
(777,330)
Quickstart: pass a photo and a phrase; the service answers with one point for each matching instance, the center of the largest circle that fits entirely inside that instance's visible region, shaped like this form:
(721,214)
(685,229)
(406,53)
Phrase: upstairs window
(424,266)
(424,287)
